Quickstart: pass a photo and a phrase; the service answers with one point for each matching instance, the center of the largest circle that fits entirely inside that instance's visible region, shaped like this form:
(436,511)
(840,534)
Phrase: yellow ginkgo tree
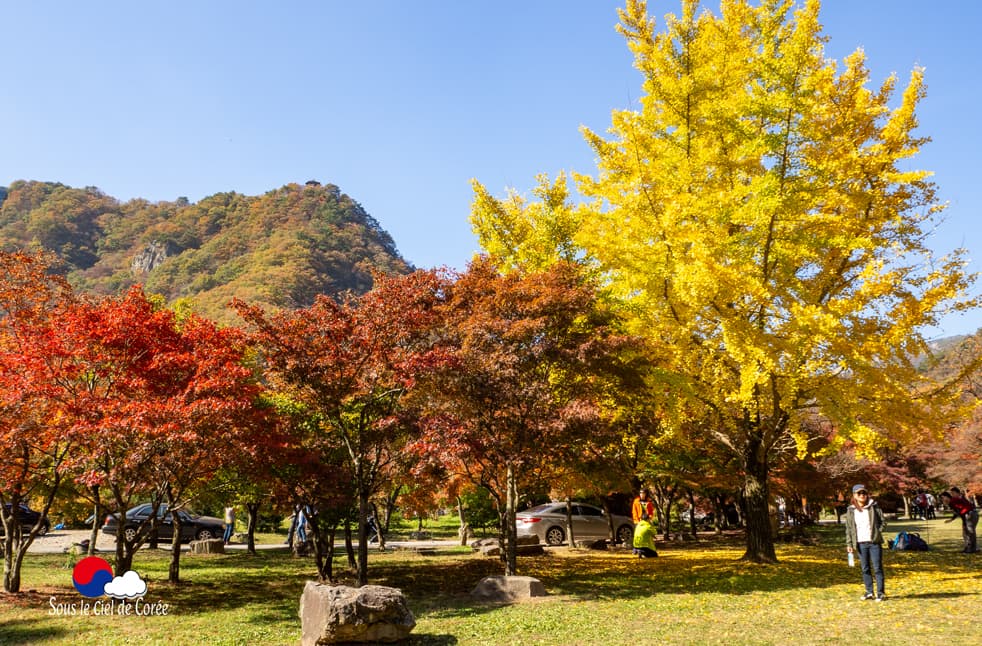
(761,218)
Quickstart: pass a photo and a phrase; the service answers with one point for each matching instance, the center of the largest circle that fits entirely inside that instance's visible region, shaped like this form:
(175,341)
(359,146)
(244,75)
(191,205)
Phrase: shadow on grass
(28,631)
(432,640)
(438,586)
(936,595)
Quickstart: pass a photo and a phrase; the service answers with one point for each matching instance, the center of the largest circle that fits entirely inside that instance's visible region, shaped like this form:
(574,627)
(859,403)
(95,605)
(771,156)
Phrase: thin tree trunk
(464,529)
(362,575)
(96,521)
(511,533)
(174,572)
(692,511)
(124,549)
(11,537)
(349,546)
(390,506)
(569,523)
(323,538)
(610,522)
(252,508)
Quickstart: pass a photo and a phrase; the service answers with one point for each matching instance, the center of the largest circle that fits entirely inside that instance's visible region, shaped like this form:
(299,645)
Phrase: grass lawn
(695,593)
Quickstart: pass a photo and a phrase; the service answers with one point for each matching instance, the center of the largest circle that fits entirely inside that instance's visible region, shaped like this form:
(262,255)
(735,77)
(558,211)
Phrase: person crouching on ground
(644,538)
(864,533)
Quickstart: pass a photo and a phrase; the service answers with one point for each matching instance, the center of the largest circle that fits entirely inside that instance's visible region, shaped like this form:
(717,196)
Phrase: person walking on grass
(864,534)
(964,509)
(229,524)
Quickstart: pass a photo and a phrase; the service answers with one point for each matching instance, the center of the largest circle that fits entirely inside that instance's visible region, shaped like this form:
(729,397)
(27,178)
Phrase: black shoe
(866,597)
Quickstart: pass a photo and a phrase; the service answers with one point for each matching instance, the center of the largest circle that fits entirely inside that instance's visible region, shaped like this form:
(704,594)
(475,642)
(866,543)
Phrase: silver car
(548,522)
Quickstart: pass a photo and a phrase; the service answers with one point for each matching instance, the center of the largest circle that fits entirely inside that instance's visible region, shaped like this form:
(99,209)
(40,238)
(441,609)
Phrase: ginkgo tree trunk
(761,216)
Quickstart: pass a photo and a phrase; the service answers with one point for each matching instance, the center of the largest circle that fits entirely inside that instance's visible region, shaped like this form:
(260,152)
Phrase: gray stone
(483,542)
(521,549)
(508,588)
(593,544)
(338,614)
(490,550)
(208,546)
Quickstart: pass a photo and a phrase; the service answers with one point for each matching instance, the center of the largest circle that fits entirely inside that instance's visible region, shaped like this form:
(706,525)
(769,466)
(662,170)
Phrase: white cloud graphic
(128,586)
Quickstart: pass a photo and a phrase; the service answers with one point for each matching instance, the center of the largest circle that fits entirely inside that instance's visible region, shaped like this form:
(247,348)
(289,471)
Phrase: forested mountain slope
(279,249)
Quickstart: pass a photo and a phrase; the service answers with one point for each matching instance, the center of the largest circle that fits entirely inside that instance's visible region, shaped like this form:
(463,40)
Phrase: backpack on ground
(900,542)
(908,541)
(916,543)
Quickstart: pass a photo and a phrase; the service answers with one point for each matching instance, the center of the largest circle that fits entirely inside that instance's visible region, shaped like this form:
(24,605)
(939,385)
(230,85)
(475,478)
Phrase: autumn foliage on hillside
(278,250)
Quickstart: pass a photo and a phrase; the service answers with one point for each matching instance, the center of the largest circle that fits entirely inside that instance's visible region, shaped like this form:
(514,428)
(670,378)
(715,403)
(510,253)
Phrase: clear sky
(400,103)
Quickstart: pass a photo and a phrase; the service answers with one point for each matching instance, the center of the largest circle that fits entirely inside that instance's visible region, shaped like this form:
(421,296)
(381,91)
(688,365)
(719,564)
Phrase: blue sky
(400,103)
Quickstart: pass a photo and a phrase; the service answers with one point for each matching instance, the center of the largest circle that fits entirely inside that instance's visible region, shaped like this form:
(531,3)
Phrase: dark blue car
(28,518)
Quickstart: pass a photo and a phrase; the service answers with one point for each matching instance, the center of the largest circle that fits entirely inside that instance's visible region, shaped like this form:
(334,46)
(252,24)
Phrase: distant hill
(278,250)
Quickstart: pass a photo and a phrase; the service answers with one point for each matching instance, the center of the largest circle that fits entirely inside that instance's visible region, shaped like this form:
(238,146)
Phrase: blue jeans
(228,532)
(871,560)
(969,523)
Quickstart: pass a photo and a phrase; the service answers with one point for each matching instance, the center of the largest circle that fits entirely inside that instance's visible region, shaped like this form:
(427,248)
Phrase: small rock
(508,588)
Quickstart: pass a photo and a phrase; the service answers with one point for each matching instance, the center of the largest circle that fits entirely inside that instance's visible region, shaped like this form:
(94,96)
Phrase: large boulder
(338,614)
(508,588)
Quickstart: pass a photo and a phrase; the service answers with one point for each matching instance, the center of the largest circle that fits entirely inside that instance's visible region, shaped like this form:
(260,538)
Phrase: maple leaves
(348,365)
(531,353)
(118,393)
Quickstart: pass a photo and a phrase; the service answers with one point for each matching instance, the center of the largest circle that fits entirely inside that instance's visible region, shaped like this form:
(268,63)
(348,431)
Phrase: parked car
(28,518)
(548,522)
(193,526)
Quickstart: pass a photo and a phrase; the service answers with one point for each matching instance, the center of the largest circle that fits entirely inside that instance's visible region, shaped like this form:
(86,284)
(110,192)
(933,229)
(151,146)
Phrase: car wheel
(625,535)
(555,536)
(129,534)
(204,535)
(44,529)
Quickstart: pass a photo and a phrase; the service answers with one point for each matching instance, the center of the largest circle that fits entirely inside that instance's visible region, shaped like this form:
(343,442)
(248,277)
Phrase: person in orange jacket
(642,505)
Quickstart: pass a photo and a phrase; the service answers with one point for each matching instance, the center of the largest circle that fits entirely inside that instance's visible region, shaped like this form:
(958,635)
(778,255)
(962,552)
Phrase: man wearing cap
(864,534)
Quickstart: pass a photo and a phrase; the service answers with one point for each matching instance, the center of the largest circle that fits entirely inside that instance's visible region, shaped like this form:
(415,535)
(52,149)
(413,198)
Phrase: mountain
(278,250)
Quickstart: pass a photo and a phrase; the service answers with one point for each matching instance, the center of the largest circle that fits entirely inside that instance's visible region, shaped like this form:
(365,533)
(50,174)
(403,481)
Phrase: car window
(587,510)
(539,509)
(142,510)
